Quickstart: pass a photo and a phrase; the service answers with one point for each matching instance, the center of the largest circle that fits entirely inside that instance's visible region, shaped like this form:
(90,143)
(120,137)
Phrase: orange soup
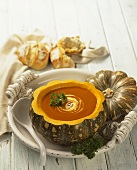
(80,103)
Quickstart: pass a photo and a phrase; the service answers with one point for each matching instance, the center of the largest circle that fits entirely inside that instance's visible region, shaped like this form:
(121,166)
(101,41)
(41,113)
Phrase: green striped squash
(120,92)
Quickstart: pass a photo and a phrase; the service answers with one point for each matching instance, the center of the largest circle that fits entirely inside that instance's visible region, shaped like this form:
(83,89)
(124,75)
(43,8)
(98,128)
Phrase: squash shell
(70,131)
(67,134)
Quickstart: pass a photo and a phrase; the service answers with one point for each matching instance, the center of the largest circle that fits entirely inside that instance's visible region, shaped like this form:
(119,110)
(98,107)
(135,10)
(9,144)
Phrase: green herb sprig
(88,147)
(57,99)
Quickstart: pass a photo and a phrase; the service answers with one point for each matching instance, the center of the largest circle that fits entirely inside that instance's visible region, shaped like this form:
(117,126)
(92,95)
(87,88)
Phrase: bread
(71,44)
(60,56)
(59,59)
(34,54)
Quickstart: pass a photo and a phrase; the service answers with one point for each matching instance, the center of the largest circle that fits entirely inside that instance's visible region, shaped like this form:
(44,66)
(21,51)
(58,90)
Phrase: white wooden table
(112,23)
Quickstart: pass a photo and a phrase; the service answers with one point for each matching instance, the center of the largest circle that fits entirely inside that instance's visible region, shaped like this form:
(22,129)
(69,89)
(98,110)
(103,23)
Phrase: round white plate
(23,134)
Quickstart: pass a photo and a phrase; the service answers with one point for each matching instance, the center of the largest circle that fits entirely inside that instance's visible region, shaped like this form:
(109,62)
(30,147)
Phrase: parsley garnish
(57,99)
(88,147)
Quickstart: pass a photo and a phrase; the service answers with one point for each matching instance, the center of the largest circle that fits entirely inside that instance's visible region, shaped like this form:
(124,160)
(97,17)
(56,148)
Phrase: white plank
(122,157)
(42,17)
(66,18)
(5,160)
(33,163)
(5,143)
(3,21)
(129,9)
(60,164)
(19,16)
(92,29)
(21,157)
(117,36)
(97,163)
(133,139)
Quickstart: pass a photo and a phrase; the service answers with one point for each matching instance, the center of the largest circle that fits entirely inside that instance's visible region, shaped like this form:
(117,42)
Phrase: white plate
(44,78)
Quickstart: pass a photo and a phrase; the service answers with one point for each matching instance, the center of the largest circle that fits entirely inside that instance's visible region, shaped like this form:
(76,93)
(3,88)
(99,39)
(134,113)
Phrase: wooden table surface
(110,23)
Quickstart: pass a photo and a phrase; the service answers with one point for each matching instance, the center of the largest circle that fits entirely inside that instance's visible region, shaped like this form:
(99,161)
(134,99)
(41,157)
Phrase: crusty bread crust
(34,54)
(59,59)
(71,44)
(64,47)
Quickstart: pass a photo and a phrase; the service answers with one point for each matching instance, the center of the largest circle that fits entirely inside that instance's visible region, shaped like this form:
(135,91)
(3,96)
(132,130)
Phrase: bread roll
(71,44)
(59,59)
(60,56)
(34,54)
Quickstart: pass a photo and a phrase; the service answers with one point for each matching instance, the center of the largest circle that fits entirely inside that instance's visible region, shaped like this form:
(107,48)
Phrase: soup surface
(80,103)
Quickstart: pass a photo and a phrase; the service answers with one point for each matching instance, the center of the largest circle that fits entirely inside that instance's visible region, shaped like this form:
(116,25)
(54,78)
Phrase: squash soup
(80,103)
